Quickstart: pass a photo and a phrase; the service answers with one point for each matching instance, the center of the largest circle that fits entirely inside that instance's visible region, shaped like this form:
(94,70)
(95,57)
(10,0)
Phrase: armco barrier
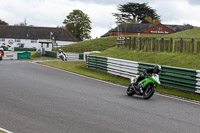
(70,56)
(51,54)
(23,55)
(24,49)
(181,78)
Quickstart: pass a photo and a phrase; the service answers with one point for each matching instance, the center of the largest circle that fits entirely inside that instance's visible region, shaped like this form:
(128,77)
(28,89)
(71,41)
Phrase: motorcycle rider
(149,71)
(62,53)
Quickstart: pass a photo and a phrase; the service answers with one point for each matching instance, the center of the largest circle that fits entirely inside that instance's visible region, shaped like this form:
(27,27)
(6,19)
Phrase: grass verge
(2,131)
(184,60)
(80,68)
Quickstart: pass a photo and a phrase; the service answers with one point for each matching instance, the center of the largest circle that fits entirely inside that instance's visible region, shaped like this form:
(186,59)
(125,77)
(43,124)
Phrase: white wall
(29,43)
(64,43)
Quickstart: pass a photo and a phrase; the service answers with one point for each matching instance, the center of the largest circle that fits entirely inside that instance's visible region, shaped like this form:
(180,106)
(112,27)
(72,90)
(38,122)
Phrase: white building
(40,38)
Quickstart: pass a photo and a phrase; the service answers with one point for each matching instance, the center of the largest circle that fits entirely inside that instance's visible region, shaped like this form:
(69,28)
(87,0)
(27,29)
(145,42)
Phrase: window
(159,28)
(2,39)
(33,41)
(17,40)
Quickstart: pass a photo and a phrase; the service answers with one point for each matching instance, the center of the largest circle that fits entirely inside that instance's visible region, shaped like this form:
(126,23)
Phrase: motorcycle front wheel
(149,91)
(130,91)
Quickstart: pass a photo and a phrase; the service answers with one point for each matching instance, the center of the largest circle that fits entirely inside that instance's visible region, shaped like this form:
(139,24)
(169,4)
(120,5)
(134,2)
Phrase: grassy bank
(192,33)
(98,44)
(163,58)
(80,68)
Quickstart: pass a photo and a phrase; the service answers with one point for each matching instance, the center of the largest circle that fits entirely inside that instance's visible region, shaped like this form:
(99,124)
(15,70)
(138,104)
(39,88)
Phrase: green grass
(98,44)
(192,33)
(80,68)
(2,131)
(184,60)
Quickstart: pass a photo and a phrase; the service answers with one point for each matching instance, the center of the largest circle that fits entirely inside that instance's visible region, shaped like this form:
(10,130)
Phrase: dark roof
(26,32)
(178,28)
(133,27)
(139,27)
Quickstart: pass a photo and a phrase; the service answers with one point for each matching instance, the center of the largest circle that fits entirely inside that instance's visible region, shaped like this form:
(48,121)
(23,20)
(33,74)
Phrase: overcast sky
(51,13)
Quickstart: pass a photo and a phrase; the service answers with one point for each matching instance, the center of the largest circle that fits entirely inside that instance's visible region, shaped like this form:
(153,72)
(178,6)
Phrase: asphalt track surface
(38,99)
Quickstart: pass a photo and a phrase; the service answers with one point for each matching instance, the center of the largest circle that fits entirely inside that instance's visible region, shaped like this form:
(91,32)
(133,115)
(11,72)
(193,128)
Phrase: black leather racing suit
(146,72)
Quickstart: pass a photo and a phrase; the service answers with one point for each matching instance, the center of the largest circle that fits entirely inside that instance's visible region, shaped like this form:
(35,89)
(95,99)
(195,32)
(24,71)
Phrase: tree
(3,22)
(150,20)
(136,12)
(78,24)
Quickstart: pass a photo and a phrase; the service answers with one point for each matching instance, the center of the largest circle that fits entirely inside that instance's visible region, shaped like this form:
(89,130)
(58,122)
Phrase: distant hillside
(101,44)
(98,44)
(195,33)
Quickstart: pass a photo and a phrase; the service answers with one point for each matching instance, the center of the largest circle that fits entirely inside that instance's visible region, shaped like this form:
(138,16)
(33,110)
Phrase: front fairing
(153,79)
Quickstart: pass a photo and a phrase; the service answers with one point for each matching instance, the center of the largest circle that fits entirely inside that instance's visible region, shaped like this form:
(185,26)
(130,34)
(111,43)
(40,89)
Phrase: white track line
(163,95)
(4,130)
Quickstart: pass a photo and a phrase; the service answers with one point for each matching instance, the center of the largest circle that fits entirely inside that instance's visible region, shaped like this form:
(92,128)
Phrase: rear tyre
(149,91)
(130,91)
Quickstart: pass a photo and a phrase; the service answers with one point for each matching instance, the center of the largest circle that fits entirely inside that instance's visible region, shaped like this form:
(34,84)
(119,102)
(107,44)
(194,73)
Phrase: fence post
(198,47)
(134,43)
(181,45)
(171,45)
(129,43)
(192,45)
(153,45)
(162,45)
(140,44)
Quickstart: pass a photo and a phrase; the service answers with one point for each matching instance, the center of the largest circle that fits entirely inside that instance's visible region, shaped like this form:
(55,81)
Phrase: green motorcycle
(146,86)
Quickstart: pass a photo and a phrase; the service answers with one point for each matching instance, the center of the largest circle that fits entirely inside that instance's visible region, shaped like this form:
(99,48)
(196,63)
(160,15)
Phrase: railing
(70,56)
(181,78)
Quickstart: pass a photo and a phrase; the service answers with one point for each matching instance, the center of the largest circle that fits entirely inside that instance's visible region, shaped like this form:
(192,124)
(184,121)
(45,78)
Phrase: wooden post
(181,45)
(153,45)
(171,45)
(134,43)
(140,44)
(130,43)
(192,42)
(198,47)
(162,45)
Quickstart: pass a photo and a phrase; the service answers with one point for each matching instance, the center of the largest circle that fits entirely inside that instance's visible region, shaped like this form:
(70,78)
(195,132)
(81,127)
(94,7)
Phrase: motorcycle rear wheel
(149,91)
(130,91)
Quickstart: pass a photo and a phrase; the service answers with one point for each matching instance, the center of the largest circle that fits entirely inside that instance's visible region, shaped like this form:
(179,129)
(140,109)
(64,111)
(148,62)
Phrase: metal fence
(181,78)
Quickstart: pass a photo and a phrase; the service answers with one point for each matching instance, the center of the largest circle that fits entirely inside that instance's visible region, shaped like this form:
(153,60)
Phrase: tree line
(79,23)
